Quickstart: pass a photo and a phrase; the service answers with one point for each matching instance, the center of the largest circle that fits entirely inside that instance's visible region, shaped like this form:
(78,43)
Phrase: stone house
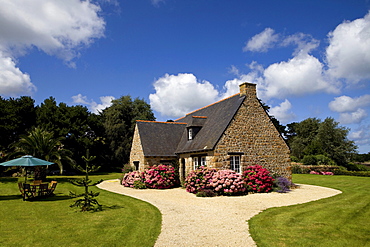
(230,134)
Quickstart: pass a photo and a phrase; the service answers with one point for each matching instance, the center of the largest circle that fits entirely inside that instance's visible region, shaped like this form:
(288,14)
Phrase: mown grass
(124,221)
(342,220)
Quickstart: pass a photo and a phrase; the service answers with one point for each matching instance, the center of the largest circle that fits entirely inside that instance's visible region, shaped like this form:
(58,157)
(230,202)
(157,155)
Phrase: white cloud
(348,54)
(94,107)
(59,28)
(350,108)
(361,136)
(304,42)
(347,104)
(301,75)
(13,81)
(282,112)
(262,42)
(352,117)
(177,95)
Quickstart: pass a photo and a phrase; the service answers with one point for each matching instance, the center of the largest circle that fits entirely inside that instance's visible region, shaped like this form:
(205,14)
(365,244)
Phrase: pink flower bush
(199,179)
(257,179)
(227,182)
(160,177)
(130,178)
(322,173)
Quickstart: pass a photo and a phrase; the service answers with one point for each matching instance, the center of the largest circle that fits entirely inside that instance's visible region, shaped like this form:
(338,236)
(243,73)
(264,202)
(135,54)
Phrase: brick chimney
(248,89)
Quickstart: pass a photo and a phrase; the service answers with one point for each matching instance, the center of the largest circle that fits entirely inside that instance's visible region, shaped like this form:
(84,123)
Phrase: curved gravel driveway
(188,220)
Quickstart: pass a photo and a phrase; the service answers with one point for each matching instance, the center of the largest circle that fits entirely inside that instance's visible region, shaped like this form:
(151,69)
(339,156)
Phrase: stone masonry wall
(137,153)
(252,133)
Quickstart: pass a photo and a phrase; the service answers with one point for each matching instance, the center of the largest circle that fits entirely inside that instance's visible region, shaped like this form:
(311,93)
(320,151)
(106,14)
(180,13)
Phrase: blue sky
(308,58)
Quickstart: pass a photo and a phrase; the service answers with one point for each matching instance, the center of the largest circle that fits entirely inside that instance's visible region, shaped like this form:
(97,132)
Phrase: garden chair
(53,185)
(37,182)
(20,186)
(43,190)
(28,191)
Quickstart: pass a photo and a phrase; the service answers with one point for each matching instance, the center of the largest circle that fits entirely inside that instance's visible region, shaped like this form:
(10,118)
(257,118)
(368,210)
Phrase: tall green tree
(119,123)
(315,137)
(79,128)
(17,116)
(42,144)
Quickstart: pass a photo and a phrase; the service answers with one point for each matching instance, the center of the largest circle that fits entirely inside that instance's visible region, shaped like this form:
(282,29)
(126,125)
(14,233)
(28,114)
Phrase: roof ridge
(148,121)
(207,106)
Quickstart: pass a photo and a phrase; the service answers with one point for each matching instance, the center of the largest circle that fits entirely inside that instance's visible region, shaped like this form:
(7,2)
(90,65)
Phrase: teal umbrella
(26,161)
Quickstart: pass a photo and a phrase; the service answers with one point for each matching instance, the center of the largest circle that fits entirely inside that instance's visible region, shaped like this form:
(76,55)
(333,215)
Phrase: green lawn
(51,222)
(342,220)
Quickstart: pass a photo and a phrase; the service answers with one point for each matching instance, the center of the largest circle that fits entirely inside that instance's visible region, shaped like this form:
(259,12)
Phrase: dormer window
(190,133)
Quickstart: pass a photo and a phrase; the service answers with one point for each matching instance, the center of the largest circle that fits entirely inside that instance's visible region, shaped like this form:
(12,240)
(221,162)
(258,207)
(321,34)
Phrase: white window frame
(195,162)
(235,163)
(190,134)
(203,161)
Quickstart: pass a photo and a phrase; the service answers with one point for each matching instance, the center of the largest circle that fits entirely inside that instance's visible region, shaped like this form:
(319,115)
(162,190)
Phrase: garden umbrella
(26,161)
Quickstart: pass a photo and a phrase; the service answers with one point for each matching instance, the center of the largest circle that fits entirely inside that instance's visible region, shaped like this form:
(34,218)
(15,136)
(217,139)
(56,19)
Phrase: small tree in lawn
(88,202)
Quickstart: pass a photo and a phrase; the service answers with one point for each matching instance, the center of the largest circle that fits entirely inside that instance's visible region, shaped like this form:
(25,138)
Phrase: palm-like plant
(41,144)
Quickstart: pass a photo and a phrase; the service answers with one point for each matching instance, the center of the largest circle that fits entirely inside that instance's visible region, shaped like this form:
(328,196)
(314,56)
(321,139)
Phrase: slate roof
(171,138)
(160,138)
(218,116)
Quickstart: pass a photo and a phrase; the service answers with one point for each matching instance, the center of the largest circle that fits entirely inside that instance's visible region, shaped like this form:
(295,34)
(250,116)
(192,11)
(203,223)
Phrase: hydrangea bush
(257,179)
(156,177)
(321,173)
(227,182)
(199,179)
(160,177)
(130,178)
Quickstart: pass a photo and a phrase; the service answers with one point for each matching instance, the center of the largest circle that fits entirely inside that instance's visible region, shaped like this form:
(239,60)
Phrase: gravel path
(188,220)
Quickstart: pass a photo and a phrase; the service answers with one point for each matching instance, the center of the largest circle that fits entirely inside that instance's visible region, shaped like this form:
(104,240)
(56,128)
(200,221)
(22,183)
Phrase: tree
(88,202)
(119,123)
(42,144)
(78,128)
(315,137)
(17,116)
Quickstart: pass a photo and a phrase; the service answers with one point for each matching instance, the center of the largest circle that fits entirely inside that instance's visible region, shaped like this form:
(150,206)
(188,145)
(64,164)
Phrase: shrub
(258,179)
(282,184)
(321,173)
(199,179)
(127,168)
(299,169)
(309,160)
(227,182)
(130,178)
(138,184)
(352,173)
(160,177)
(206,193)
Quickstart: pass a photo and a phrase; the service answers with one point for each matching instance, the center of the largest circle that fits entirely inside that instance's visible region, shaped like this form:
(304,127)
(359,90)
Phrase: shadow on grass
(10,197)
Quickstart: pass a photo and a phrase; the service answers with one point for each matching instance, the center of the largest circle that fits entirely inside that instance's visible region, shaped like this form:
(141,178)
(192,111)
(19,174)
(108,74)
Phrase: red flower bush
(257,179)
(130,178)
(160,177)
(227,182)
(199,179)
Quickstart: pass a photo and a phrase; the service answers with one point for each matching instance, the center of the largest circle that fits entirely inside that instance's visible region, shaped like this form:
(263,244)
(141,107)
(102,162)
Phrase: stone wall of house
(137,153)
(253,135)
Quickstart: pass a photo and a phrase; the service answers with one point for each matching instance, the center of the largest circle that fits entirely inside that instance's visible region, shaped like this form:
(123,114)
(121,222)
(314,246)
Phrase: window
(195,162)
(190,134)
(199,161)
(235,163)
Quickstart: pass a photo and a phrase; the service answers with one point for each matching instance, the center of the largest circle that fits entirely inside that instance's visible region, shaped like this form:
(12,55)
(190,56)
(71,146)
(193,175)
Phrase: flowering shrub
(321,173)
(160,177)
(258,179)
(130,178)
(227,182)
(199,179)
(283,184)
